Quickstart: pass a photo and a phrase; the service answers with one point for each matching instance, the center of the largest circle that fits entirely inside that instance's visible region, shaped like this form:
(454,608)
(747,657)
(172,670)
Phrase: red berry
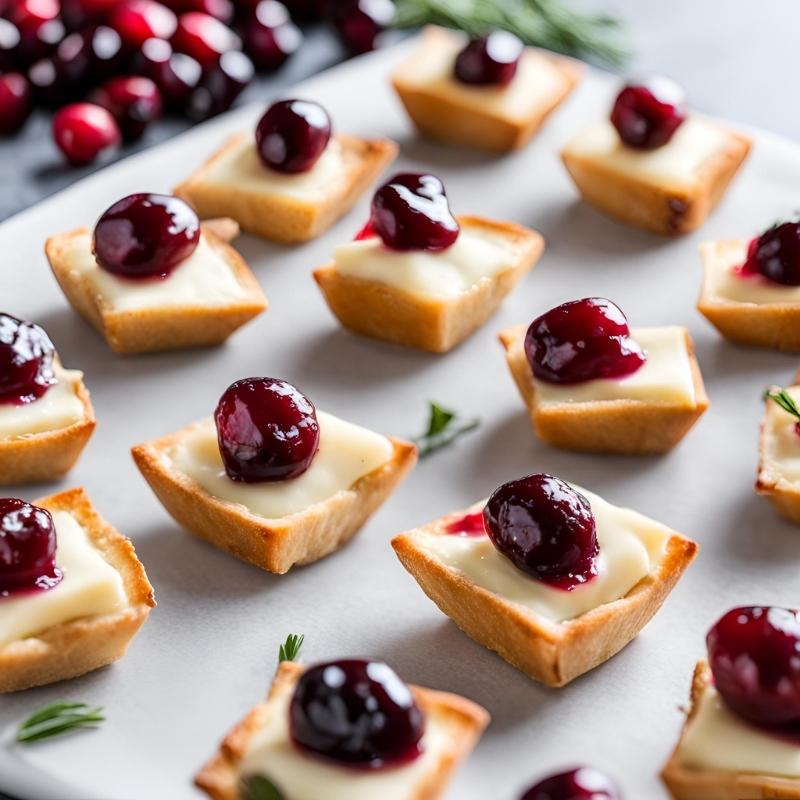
(34,11)
(83,131)
(223,10)
(134,101)
(9,44)
(361,22)
(270,36)
(647,116)
(176,74)
(221,85)
(204,38)
(27,547)
(15,102)
(136,21)
(292,135)
(90,55)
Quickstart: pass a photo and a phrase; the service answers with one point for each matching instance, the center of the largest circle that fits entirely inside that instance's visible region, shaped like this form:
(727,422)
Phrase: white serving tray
(209,650)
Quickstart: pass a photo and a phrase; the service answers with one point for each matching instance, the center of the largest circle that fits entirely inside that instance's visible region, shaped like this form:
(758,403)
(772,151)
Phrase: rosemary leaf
(57,718)
(258,787)
(290,649)
(444,427)
(785,401)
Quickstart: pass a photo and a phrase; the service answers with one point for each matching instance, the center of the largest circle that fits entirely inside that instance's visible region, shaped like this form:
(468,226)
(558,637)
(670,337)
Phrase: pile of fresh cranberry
(112,67)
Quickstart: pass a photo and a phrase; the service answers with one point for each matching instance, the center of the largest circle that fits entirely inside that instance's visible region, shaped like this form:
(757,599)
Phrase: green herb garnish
(444,427)
(57,718)
(784,400)
(290,649)
(258,787)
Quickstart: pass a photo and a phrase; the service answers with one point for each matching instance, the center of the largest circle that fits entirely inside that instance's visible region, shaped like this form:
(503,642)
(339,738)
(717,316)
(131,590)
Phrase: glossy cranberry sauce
(583,783)
(292,135)
(26,361)
(490,60)
(468,525)
(646,116)
(775,255)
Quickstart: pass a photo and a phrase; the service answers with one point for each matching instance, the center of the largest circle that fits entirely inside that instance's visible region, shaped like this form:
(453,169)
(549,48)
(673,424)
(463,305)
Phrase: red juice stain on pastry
(468,525)
(26,361)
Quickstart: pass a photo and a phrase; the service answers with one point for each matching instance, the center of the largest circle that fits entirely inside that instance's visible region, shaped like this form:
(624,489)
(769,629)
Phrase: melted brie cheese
(631,546)
(346,453)
(90,586)
(666,375)
(205,279)
(781,442)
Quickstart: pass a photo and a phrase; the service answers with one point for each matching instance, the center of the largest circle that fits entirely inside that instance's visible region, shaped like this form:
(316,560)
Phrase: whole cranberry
(754,655)
(135,102)
(582,340)
(204,38)
(25,12)
(50,86)
(356,712)
(90,55)
(360,23)
(545,528)
(490,60)
(83,131)
(9,44)
(776,254)
(136,21)
(292,135)
(223,10)
(583,783)
(647,116)
(26,361)
(39,40)
(221,85)
(27,547)
(79,13)
(15,102)
(176,74)
(267,430)
(145,236)
(270,36)
(411,212)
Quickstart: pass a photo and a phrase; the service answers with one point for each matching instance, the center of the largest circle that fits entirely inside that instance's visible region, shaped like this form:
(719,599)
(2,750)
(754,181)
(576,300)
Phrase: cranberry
(647,116)
(545,528)
(360,23)
(135,102)
(582,340)
(78,13)
(356,712)
(39,39)
(27,547)
(145,236)
(292,135)
(50,86)
(136,21)
(754,654)
(267,430)
(83,131)
(15,102)
(223,10)
(311,10)
(490,60)
(583,783)
(176,74)
(204,38)
(25,12)
(776,254)
(26,361)
(468,525)
(270,36)
(90,55)
(221,85)
(411,212)
(9,44)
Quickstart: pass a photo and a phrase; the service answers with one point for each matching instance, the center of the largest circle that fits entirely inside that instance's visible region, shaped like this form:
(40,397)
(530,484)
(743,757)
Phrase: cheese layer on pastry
(780,440)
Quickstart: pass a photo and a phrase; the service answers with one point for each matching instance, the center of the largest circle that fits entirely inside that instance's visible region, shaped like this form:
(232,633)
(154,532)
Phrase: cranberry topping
(647,116)
(83,131)
(15,102)
(204,38)
(360,23)
(356,712)
(583,783)
(776,254)
(136,21)
(267,430)
(468,525)
(270,36)
(135,102)
(490,60)
(221,85)
(292,135)
(411,212)
(145,236)
(545,528)
(26,361)
(176,74)
(754,655)
(582,340)
(27,547)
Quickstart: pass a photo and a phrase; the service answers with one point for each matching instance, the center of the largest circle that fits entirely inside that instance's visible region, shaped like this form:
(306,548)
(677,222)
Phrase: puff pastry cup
(85,644)
(288,217)
(627,427)
(386,312)
(464,720)
(496,119)
(167,327)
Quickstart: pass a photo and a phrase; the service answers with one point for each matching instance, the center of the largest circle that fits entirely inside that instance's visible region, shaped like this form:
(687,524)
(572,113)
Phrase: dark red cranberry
(83,131)
(27,547)
(9,44)
(309,10)
(91,55)
(136,21)
(270,36)
(26,361)
(776,254)
(356,712)
(754,655)
(360,23)
(490,60)
(647,116)
(50,86)
(39,40)
(204,38)
(221,85)
(135,102)
(223,10)
(292,135)
(145,236)
(79,13)
(468,525)
(15,102)
(267,430)
(176,74)
(411,212)
(545,528)
(580,341)
(583,783)
(25,12)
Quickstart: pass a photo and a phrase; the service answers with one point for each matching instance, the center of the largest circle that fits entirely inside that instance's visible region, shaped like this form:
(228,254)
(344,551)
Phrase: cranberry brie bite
(553,578)
(46,417)
(583,783)
(592,384)
(490,93)
(72,592)
(751,290)
(416,275)
(345,730)
(151,277)
(740,737)
(272,480)
(293,180)
(653,164)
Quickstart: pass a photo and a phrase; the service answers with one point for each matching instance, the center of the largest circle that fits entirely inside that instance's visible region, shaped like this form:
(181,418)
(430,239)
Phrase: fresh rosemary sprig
(290,649)
(547,23)
(784,400)
(57,718)
(444,427)
(258,787)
